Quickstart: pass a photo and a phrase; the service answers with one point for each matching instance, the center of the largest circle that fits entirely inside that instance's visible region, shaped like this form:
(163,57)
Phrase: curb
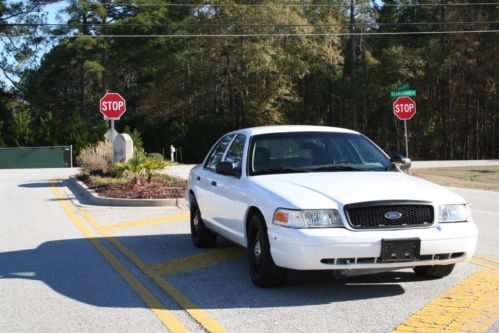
(97,200)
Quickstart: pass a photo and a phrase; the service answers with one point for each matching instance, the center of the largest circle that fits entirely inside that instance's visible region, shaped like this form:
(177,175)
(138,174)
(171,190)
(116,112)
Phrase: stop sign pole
(404,108)
(112,106)
(405,139)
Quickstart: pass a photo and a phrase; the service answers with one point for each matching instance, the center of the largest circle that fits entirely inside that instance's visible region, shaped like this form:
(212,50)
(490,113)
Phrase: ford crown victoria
(323,198)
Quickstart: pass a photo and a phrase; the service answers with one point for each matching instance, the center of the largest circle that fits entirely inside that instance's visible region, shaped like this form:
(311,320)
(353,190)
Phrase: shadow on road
(35,185)
(75,269)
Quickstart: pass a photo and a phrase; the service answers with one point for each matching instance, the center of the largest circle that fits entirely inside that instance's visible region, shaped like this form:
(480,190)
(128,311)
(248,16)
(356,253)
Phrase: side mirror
(227,169)
(404,163)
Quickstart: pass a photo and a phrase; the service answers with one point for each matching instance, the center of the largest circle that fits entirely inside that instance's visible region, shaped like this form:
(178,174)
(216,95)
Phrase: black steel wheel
(202,237)
(263,271)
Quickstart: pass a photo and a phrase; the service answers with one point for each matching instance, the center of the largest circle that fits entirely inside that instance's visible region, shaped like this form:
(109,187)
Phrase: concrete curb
(97,200)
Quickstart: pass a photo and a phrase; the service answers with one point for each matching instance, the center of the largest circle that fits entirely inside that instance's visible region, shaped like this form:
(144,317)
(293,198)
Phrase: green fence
(36,157)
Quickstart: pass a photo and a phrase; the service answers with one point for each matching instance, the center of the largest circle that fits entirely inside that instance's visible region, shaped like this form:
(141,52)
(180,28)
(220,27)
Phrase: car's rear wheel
(263,271)
(201,236)
(433,272)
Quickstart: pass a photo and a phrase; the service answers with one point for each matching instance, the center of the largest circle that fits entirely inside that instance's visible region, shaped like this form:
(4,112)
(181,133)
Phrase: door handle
(198,178)
(214,183)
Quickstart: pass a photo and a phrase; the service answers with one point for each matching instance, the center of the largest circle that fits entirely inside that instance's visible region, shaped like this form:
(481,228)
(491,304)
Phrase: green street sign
(398,93)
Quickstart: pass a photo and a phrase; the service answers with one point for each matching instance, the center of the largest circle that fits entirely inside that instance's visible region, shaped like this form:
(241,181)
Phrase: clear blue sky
(52,11)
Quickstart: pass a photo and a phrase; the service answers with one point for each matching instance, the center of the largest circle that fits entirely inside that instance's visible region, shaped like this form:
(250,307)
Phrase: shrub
(95,159)
(156,156)
(140,166)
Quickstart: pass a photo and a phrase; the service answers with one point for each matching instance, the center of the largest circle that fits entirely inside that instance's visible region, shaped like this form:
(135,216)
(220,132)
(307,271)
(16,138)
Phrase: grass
(483,178)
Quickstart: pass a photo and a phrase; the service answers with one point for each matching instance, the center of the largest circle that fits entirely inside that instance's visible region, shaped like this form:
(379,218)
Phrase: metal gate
(36,157)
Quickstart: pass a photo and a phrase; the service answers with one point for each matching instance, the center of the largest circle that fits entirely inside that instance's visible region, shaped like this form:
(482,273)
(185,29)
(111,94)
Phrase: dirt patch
(164,187)
(152,190)
(482,178)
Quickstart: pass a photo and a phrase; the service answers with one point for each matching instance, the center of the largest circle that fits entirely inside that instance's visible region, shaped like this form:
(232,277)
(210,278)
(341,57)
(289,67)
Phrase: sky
(52,10)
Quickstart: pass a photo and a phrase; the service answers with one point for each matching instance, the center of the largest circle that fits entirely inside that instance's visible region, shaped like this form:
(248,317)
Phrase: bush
(156,156)
(140,166)
(96,159)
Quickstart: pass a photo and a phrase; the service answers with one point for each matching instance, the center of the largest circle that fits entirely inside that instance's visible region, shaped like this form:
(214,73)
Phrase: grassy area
(483,178)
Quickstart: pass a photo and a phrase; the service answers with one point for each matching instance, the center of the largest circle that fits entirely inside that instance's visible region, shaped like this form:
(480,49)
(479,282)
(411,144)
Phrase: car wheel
(433,272)
(201,236)
(263,271)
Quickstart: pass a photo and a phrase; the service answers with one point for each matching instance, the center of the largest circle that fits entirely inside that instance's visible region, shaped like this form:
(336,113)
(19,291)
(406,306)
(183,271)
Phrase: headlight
(453,213)
(310,218)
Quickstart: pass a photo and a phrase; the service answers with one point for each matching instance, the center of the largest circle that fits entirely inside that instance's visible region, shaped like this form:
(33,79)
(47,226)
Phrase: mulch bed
(144,190)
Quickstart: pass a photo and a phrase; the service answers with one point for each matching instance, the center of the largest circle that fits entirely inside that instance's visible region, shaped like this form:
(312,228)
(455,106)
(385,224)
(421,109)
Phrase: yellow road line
(479,263)
(156,220)
(164,315)
(471,306)
(192,309)
(198,261)
(478,256)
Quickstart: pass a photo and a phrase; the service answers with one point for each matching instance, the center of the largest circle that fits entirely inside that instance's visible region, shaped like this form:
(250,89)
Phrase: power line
(449,32)
(204,4)
(238,24)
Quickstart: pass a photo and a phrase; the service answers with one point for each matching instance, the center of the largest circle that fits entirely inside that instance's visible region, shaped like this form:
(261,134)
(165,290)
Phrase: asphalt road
(67,267)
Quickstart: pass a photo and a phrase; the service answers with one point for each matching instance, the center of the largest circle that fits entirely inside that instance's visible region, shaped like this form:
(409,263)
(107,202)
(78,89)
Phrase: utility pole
(351,62)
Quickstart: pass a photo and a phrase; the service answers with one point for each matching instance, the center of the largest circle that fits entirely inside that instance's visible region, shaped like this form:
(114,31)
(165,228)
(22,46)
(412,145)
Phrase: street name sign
(398,93)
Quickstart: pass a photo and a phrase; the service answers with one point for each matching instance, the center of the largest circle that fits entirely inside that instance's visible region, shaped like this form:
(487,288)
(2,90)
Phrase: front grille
(377,260)
(373,215)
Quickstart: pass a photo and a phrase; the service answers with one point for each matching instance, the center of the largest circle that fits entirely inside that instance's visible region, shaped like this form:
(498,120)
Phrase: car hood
(330,189)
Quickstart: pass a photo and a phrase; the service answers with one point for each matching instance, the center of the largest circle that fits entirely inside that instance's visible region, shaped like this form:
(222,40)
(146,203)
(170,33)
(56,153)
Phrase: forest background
(191,71)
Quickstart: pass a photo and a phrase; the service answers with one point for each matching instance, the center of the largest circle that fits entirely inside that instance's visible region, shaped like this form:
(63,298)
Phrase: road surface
(66,267)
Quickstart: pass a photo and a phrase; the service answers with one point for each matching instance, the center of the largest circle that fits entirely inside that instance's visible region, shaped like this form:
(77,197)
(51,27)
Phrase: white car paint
(224,209)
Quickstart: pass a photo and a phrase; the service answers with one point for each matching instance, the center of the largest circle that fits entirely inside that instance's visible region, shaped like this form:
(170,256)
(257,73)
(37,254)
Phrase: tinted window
(235,152)
(218,152)
(314,151)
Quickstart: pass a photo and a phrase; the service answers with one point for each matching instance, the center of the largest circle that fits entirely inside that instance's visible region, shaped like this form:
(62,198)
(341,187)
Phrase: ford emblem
(393,215)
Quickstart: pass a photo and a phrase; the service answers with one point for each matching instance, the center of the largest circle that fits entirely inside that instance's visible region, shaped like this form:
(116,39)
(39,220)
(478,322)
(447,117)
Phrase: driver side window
(235,152)
(218,152)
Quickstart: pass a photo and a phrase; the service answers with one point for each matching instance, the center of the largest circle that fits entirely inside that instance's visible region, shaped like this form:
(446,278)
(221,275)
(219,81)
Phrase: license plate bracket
(399,250)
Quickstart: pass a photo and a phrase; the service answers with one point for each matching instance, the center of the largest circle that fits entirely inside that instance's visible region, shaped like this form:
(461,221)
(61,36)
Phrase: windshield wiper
(338,168)
(279,170)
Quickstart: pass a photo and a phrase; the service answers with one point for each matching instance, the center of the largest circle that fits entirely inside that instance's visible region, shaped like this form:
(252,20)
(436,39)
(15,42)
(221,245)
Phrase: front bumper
(339,248)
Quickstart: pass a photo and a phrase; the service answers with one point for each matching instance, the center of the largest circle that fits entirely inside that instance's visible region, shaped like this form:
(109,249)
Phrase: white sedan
(324,198)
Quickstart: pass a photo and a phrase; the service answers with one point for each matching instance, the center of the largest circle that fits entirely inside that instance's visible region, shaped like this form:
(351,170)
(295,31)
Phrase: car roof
(292,128)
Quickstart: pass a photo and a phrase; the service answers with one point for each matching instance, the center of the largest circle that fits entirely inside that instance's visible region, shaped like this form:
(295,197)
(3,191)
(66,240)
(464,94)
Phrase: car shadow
(74,268)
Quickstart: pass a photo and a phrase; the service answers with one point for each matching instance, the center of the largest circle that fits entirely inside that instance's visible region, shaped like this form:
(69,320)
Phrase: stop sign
(404,108)
(112,106)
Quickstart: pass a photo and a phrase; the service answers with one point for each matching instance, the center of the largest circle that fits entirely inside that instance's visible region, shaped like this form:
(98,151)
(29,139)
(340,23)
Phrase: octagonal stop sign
(404,108)
(112,106)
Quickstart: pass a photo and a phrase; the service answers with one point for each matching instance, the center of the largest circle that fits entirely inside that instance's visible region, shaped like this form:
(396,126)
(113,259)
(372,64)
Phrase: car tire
(433,272)
(202,237)
(263,271)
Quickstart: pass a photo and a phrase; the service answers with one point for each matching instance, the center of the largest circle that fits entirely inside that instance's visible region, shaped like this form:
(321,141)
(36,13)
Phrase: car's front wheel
(433,272)
(201,236)
(263,271)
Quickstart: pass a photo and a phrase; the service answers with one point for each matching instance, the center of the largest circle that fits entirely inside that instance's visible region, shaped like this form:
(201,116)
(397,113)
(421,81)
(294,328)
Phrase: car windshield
(314,152)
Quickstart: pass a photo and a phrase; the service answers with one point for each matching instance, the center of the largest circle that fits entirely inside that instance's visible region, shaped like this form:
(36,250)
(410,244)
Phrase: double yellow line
(484,261)
(164,315)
